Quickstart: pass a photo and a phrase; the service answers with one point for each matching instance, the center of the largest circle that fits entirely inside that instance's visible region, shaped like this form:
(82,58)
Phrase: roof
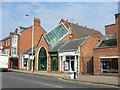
(68,45)
(5,38)
(44,38)
(81,31)
(108,41)
(23,28)
(56,34)
(29,50)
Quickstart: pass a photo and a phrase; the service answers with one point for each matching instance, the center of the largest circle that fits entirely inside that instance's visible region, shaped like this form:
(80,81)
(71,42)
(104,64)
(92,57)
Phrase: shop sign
(22,56)
(25,56)
(31,57)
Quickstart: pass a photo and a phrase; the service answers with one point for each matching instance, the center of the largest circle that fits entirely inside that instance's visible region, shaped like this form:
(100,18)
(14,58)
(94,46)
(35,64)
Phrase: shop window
(61,61)
(25,64)
(109,65)
(54,63)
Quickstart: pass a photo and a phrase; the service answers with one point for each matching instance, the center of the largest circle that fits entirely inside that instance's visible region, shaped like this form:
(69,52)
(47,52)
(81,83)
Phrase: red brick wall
(26,37)
(41,44)
(103,52)
(117,19)
(110,29)
(86,55)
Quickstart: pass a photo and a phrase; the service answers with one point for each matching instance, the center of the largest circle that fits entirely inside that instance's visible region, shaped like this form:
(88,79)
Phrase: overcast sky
(92,14)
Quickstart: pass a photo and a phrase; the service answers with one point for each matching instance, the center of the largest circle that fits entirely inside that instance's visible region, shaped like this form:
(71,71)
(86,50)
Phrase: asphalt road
(24,80)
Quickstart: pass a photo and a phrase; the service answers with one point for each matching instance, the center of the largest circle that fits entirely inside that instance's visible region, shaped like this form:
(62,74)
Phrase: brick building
(5,45)
(25,42)
(46,59)
(107,52)
(19,41)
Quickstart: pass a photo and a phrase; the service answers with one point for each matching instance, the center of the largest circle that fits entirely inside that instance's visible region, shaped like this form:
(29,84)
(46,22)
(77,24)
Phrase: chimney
(11,33)
(76,23)
(85,26)
(36,21)
(16,30)
(67,20)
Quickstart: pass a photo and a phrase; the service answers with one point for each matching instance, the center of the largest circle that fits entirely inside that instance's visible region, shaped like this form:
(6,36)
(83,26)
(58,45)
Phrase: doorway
(72,65)
(42,60)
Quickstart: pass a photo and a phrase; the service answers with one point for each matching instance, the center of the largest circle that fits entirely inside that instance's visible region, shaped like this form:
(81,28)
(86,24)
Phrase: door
(72,66)
(42,60)
(54,63)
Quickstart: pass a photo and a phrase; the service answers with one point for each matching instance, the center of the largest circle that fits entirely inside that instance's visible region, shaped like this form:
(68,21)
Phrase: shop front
(69,62)
(54,61)
(14,63)
(109,65)
(25,62)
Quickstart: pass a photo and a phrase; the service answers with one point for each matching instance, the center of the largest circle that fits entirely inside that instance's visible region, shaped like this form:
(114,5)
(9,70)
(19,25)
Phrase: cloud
(91,14)
(60,0)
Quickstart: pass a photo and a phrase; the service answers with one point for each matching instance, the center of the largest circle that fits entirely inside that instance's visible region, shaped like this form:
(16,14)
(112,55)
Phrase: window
(7,51)
(61,61)
(109,65)
(13,50)
(56,34)
(9,42)
(67,65)
(14,39)
(3,43)
(54,63)
(6,42)
(25,63)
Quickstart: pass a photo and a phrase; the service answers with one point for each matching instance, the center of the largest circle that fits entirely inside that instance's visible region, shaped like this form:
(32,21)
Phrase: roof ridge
(82,26)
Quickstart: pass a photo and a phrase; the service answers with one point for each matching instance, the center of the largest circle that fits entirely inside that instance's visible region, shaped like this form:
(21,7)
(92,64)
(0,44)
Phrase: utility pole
(32,43)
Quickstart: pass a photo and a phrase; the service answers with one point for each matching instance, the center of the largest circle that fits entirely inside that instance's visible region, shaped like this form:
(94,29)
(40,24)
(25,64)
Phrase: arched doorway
(42,60)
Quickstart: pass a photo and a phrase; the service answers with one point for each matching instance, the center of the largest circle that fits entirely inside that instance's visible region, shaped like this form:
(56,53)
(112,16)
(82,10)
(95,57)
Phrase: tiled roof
(81,31)
(29,51)
(68,45)
(108,41)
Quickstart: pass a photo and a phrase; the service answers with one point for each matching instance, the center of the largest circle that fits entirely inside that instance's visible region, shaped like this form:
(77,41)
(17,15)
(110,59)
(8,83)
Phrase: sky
(91,14)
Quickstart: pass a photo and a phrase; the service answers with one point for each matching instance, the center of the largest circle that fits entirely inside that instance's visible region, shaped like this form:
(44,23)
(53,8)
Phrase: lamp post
(32,42)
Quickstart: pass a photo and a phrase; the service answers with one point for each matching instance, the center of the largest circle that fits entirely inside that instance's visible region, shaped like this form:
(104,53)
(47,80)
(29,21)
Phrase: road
(24,80)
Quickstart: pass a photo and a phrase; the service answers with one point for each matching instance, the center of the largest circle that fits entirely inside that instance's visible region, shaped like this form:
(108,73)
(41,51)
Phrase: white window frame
(6,42)
(9,42)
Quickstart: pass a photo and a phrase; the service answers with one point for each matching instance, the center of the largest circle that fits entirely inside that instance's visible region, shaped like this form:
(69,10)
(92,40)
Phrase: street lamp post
(32,42)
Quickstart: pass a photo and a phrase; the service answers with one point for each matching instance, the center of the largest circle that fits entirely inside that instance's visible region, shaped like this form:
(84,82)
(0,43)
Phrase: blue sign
(22,56)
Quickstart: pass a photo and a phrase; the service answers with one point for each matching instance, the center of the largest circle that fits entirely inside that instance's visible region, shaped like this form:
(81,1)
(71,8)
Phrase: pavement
(104,80)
